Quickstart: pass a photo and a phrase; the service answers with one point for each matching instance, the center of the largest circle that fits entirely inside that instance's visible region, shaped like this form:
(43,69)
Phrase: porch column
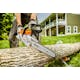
(45,30)
(49,27)
(65,23)
(56,24)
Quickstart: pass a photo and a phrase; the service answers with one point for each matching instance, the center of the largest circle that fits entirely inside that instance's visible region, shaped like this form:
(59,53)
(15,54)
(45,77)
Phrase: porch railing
(52,24)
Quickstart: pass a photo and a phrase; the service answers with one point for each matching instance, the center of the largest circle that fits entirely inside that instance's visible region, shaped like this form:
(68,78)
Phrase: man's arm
(19,24)
(18,18)
(33,16)
(33,19)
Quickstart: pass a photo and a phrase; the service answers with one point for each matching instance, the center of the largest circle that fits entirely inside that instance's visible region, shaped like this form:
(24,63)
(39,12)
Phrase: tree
(5,24)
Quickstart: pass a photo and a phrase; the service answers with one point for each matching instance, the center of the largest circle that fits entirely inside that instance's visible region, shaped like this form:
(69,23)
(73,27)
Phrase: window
(75,29)
(68,29)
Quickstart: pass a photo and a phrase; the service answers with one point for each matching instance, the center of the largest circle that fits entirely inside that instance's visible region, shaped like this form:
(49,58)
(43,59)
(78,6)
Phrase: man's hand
(19,29)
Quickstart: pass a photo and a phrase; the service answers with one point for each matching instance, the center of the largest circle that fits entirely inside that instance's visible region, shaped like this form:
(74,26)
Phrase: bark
(28,56)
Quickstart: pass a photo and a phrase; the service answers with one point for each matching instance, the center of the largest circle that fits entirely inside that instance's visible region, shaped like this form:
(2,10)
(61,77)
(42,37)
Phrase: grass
(55,63)
(65,39)
(4,44)
(47,40)
(75,60)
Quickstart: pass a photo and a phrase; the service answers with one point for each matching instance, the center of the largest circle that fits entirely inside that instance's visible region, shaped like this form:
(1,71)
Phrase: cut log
(30,57)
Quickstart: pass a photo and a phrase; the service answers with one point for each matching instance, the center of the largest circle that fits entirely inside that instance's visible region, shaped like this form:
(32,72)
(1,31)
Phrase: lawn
(5,44)
(65,39)
(47,40)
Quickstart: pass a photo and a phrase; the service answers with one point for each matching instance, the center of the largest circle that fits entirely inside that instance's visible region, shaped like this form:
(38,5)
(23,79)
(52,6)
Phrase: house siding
(73,20)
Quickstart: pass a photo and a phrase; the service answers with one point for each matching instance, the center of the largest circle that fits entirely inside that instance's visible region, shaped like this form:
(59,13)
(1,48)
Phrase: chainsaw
(26,36)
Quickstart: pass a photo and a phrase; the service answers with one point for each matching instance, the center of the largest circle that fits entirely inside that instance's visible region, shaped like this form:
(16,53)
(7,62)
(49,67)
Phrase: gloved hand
(19,29)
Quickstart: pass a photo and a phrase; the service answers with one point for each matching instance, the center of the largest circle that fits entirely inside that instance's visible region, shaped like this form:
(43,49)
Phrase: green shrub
(4,36)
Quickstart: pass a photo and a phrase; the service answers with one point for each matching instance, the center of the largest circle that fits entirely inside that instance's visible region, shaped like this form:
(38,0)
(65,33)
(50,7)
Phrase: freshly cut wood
(28,56)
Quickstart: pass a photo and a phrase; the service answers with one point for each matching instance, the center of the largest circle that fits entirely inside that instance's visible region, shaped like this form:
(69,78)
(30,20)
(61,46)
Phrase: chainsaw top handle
(31,29)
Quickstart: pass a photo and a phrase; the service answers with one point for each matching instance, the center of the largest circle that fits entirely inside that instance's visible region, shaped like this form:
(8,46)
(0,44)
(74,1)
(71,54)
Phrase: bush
(5,24)
(4,36)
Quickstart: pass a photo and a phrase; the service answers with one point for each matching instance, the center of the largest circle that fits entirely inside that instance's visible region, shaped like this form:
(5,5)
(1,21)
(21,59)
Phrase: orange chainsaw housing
(27,32)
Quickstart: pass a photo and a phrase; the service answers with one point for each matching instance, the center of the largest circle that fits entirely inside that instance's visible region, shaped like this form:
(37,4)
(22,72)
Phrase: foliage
(5,24)
(4,36)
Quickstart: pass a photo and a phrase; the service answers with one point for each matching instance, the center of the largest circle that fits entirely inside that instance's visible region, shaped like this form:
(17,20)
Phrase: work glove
(19,31)
(19,28)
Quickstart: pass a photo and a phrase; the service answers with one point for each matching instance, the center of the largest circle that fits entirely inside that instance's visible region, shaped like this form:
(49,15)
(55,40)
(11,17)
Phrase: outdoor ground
(74,59)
